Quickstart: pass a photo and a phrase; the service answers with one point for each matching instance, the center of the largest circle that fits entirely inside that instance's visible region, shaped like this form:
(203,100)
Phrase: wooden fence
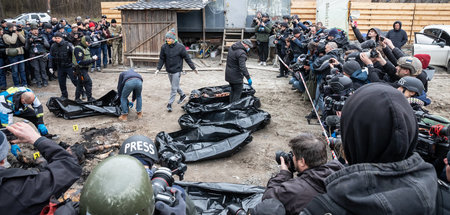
(110,13)
(414,16)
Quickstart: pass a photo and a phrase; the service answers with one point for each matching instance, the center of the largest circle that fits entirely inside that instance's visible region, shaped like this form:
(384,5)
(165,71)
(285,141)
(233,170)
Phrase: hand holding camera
(285,160)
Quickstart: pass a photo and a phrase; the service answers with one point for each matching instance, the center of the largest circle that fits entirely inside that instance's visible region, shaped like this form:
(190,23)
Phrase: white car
(435,41)
(31,17)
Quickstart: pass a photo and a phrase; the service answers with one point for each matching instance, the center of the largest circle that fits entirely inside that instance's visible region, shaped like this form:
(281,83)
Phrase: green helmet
(118,185)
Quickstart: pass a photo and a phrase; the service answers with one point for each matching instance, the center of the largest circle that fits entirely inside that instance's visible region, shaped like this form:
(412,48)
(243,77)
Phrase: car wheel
(448,66)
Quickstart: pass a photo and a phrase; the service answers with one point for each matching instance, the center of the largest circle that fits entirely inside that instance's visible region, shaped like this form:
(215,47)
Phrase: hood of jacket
(359,75)
(237,46)
(394,135)
(399,22)
(405,187)
(379,33)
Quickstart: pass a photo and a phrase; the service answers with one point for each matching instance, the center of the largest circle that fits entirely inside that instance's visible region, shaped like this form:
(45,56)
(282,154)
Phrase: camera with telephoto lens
(36,38)
(233,209)
(288,159)
(174,161)
(161,180)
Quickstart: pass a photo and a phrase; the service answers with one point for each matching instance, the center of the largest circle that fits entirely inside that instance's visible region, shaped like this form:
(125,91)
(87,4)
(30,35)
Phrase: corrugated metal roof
(165,5)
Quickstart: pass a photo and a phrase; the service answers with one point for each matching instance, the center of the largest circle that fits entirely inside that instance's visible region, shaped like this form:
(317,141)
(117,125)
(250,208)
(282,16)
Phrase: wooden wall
(144,31)
(107,10)
(414,16)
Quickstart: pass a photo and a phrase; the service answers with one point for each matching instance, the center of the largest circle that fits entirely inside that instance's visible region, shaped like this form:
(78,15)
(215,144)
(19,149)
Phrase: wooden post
(412,25)
(204,30)
(48,7)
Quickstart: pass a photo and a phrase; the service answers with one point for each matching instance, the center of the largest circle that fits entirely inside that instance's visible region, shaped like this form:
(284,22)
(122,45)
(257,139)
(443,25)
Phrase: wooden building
(145,24)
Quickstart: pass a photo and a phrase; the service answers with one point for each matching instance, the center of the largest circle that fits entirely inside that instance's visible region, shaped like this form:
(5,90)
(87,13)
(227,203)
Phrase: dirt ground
(255,163)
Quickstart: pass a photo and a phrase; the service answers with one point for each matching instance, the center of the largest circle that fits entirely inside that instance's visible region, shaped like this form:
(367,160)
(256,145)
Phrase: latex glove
(50,70)
(130,104)
(95,57)
(42,129)
(250,82)
(14,149)
(179,209)
(196,71)
(157,71)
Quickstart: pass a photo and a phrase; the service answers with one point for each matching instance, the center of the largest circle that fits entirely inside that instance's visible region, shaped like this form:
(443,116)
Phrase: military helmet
(412,84)
(118,185)
(412,63)
(84,40)
(141,147)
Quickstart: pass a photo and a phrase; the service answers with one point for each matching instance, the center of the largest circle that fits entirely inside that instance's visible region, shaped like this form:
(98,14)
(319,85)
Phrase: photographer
(28,191)
(385,175)
(95,48)
(256,19)
(15,41)
(36,45)
(309,158)
(263,29)
(298,44)
(281,46)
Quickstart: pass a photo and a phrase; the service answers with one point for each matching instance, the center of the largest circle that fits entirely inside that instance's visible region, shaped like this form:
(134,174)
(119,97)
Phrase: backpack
(443,198)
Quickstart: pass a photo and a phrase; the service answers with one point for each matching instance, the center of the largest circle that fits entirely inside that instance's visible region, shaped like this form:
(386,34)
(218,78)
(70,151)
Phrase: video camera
(288,159)
(175,162)
(336,91)
(433,141)
(161,180)
(369,48)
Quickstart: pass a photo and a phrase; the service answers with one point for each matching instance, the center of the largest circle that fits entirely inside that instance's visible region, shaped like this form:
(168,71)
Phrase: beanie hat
(33,26)
(412,63)
(248,42)
(113,21)
(4,146)
(91,24)
(284,24)
(47,25)
(296,31)
(351,66)
(333,32)
(58,34)
(171,34)
(424,59)
(74,26)
(9,25)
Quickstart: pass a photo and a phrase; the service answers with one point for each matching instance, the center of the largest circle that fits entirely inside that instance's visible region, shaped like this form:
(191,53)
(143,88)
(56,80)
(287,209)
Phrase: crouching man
(310,161)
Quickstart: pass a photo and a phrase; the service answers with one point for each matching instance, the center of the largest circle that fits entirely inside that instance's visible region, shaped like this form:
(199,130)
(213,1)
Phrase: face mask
(248,49)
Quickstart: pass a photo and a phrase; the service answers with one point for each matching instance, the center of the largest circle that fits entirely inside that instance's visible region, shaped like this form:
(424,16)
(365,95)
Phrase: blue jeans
(98,52)
(2,75)
(104,49)
(299,86)
(18,71)
(135,86)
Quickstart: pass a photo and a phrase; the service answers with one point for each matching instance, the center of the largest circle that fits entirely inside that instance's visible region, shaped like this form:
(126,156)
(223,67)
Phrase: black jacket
(61,55)
(29,191)
(123,78)
(236,69)
(361,39)
(3,47)
(172,56)
(399,38)
(296,193)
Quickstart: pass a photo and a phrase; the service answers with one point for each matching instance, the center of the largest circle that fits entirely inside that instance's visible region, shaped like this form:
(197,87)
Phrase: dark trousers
(40,73)
(283,70)
(84,81)
(236,92)
(263,51)
(104,48)
(109,52)
(62,78)
(96,51)
(2,75)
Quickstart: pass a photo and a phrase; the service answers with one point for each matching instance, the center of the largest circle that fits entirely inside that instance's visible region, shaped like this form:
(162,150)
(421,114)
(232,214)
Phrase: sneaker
(260,63)
(92,70)
(264,64)
(139,115)
(280,76)
(63,98)
(99,69)
(45,84)
(123,117)
(169,107)
(78,100)
(83,95)
(182,98)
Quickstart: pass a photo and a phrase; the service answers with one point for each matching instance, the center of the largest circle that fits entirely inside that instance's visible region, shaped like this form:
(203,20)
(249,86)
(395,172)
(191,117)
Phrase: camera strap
(312,104)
